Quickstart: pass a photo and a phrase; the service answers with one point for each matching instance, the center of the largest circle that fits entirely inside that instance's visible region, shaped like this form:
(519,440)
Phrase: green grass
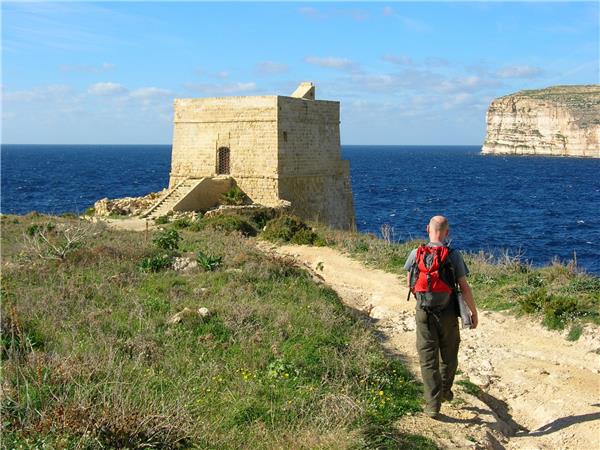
(90,361)
(469,387)
(558,295)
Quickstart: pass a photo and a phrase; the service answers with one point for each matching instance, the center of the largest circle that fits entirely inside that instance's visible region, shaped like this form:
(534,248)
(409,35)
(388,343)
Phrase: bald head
(437,228)
(438,223)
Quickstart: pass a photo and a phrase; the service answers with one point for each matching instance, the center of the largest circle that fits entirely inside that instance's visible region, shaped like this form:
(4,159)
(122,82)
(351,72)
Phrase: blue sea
(540,207)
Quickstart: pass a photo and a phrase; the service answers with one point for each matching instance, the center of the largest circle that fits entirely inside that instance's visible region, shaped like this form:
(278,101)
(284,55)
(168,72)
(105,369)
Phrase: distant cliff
(559,120)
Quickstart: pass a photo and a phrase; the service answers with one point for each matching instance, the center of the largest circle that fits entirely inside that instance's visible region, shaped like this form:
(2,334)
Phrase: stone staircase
(166,203)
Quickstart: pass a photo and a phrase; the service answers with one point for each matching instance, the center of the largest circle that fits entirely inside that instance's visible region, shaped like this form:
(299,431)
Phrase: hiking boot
(447,396)
(432,412)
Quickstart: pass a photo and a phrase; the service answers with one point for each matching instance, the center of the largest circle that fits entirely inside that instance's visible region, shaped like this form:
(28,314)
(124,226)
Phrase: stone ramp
(191,194)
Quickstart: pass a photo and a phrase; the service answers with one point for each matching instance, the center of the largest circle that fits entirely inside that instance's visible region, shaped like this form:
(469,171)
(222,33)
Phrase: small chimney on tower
(305,90)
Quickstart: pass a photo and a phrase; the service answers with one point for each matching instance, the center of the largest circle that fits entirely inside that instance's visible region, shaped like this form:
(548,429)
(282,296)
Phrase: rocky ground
(534,389)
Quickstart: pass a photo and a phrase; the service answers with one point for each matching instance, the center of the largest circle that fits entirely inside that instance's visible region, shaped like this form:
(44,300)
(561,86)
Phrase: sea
(537,208)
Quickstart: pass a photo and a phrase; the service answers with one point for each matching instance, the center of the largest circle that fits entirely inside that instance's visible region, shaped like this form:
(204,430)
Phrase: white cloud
(148,96)
(470,83)
(107,88)
(87,68)
(149,93)
(271,67)
(428,62)
(413,24)
(53,91)
(331,62)
(398,59)
(522,71)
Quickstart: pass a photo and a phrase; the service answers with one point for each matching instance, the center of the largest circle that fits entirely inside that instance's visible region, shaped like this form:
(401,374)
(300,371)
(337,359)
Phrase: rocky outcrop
(557,121)
(127,206)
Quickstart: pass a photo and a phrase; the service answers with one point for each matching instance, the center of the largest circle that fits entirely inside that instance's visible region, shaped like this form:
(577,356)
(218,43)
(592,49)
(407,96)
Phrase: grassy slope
(558,294)
(89,360)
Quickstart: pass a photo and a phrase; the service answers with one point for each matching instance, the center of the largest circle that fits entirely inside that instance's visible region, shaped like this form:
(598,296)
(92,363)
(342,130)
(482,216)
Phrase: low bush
(182,222)
(559,310)
(156,263)
(38,228)
(161,220)
(234,196)
(207,262)
(47,241)
(288,228)
(166,239)
(226,223)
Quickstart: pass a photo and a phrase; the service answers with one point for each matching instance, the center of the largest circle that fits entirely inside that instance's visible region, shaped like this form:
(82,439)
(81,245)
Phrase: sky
(406,73)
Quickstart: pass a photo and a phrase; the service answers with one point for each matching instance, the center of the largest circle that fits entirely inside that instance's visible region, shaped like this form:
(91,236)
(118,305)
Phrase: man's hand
(474,319)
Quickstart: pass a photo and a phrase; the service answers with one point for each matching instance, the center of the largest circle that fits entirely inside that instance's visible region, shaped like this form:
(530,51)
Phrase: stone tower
(273,147)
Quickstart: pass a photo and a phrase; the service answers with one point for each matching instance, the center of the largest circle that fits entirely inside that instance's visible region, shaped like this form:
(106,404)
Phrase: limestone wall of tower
(312,175)
(245,125)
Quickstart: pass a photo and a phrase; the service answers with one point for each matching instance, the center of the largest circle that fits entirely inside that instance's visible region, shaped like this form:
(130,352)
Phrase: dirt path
(539,391)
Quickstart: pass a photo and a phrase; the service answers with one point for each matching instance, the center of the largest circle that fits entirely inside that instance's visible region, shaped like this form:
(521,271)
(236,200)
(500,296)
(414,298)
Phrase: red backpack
(432,280)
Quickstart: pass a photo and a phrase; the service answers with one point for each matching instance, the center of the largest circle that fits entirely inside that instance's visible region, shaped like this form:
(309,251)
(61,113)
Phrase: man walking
(434,270)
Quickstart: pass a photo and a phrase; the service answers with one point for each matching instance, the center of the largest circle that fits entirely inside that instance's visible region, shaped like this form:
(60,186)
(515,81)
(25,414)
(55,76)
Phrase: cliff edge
(556,121)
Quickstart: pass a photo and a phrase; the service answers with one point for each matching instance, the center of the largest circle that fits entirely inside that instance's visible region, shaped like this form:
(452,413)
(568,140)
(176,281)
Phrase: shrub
(167,239)
(49,242)
(558,310)
(182,222)
(156,263)
(261,218)
(161,220)
(209,263)
(534,301)
(90,211)
(227,223)
(307,237)
(34,229)
(288,228)
(234,196)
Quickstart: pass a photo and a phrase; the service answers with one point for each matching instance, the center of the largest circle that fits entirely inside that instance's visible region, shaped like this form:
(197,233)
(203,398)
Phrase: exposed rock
(184,215)
(177,318)
(558,121)
(187,313)
(184,264)
(125,206)
(204,312)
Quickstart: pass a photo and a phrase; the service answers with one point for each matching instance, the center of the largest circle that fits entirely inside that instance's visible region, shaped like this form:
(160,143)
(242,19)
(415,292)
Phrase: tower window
(223,166)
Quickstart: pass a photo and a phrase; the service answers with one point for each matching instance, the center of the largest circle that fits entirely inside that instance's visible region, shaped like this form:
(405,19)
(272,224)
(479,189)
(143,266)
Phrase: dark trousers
(438,338)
